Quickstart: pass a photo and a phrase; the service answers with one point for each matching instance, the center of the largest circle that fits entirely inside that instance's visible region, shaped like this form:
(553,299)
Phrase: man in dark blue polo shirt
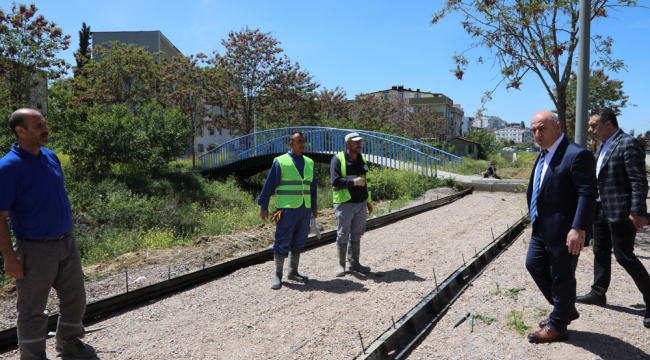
(45,253)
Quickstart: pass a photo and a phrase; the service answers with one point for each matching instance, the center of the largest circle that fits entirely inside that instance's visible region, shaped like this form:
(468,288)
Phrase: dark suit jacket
(568,194)
(622,178)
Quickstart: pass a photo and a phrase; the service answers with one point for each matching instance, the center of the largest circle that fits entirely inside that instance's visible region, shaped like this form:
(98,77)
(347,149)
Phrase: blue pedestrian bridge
(250,154)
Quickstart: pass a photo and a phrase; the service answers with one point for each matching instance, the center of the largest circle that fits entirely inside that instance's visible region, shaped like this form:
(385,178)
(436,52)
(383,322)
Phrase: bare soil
(240,317)
(612,332)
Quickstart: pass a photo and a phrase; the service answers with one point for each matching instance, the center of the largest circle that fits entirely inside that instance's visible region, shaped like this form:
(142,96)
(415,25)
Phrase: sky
(363,46)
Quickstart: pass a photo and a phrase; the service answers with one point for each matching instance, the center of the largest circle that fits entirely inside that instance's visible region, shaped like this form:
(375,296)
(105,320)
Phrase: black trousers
(618,237)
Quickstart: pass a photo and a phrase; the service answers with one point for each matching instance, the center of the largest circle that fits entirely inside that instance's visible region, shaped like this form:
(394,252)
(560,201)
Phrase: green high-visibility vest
(293,189)
(343,195)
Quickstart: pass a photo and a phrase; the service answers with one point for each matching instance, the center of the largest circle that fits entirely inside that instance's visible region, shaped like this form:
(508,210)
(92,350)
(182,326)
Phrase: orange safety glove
(369,206)
(276,216)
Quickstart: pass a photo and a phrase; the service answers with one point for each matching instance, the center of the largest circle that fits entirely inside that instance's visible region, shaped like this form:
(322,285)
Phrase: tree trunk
(561,106)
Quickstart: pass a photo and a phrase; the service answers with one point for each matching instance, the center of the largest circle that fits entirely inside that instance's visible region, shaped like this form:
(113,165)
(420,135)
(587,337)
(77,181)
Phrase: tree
(537,36)
(119,139)
(485,140)
(119,74)
(603,92)
(82,55)
(260,81)
(28,46)
(187,86)
(333,105)
(522,125)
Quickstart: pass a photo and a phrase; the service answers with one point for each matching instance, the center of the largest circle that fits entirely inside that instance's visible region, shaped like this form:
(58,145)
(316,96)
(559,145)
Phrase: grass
(519,168)
(122,213)
(514,293)
(516,322)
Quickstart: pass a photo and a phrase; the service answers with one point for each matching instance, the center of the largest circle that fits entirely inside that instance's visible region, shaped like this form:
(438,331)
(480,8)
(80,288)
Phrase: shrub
(120,141)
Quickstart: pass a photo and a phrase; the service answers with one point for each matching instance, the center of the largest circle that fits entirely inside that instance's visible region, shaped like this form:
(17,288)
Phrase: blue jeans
(292,230)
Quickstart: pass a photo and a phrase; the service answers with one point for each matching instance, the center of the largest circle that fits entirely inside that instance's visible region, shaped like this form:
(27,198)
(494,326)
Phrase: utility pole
(582,99)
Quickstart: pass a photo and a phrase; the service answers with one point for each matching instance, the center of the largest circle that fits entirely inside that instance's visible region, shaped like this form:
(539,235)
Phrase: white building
(489,122)
(517,135)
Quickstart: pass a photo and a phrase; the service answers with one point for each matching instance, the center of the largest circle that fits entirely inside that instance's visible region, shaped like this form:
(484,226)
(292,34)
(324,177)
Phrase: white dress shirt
(547,160)
(601,157)
(548,157)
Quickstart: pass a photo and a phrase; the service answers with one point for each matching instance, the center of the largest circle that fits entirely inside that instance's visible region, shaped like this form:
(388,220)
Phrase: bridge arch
(253,153)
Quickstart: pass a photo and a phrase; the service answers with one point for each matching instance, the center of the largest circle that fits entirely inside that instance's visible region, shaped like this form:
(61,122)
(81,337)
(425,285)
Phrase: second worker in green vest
(352,203)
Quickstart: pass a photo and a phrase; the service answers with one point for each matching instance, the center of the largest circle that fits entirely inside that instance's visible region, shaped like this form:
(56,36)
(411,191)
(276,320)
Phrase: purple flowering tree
(119,74)
(188,86)
(28,47)
(261,85)
(533,36)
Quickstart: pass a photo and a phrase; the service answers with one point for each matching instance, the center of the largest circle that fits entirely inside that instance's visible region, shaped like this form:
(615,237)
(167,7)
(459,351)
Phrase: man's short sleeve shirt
(32,191)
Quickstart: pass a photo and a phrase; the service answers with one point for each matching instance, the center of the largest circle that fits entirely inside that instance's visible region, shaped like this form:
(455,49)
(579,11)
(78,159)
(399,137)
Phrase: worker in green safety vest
(292,178)
(352,203)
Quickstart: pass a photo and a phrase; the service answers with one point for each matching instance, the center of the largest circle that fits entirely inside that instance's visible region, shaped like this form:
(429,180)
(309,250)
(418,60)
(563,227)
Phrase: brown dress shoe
(542,324)
(547,335)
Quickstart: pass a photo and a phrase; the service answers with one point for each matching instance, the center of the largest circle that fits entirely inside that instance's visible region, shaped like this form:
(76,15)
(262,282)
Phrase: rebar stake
(392,317)
(461,254)
(126,272)
(475,253)
(169,272)
(361,339)
(492,234)
(434,277)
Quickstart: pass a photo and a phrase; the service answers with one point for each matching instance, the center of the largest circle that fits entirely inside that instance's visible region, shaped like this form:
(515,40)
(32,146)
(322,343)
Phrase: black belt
(44,239)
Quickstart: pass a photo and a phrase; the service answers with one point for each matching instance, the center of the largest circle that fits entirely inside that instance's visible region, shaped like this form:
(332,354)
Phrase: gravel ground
(178,261)
(614,332)
(240,317)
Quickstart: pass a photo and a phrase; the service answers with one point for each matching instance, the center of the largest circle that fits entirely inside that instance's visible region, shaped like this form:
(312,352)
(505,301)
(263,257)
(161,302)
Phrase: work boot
(78,350)
(294,261)
(354,248)
(340,250)
(279,265)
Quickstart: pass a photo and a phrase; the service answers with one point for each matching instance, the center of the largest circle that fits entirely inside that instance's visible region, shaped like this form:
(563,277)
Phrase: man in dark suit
(620,210)
(561,196)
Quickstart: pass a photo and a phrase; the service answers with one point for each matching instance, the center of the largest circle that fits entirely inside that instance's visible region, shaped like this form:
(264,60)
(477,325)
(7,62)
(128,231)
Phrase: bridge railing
(378,148)
(448,161)
(332,141)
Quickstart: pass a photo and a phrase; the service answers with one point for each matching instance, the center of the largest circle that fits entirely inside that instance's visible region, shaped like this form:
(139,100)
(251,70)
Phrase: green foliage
(486,319)
(516,322)
(603,92)
(532,37)
(471,166)
(7,136)
(485,139)
(120,141)
(391,184)
(514,293)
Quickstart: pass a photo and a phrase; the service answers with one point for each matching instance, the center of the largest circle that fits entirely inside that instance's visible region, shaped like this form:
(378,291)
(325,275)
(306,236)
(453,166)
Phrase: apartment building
(155,41)
(517,135)
(442,104)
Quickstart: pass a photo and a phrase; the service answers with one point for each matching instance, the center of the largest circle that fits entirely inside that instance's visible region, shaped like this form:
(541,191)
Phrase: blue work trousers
(292,230)
(553,269)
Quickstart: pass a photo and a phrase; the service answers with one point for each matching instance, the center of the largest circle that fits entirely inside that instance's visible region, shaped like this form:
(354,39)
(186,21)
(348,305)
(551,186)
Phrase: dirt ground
(240,317)
(612,332)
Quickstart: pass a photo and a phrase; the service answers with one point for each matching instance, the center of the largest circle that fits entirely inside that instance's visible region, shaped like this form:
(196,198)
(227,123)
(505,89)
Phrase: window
(418,95)
(200,147)
(199,131)
(471,149)
(211,130)
(220,132)
(400,95)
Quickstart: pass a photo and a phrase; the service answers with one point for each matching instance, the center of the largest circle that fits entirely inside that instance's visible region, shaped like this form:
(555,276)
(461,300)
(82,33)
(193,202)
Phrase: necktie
(538,175)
